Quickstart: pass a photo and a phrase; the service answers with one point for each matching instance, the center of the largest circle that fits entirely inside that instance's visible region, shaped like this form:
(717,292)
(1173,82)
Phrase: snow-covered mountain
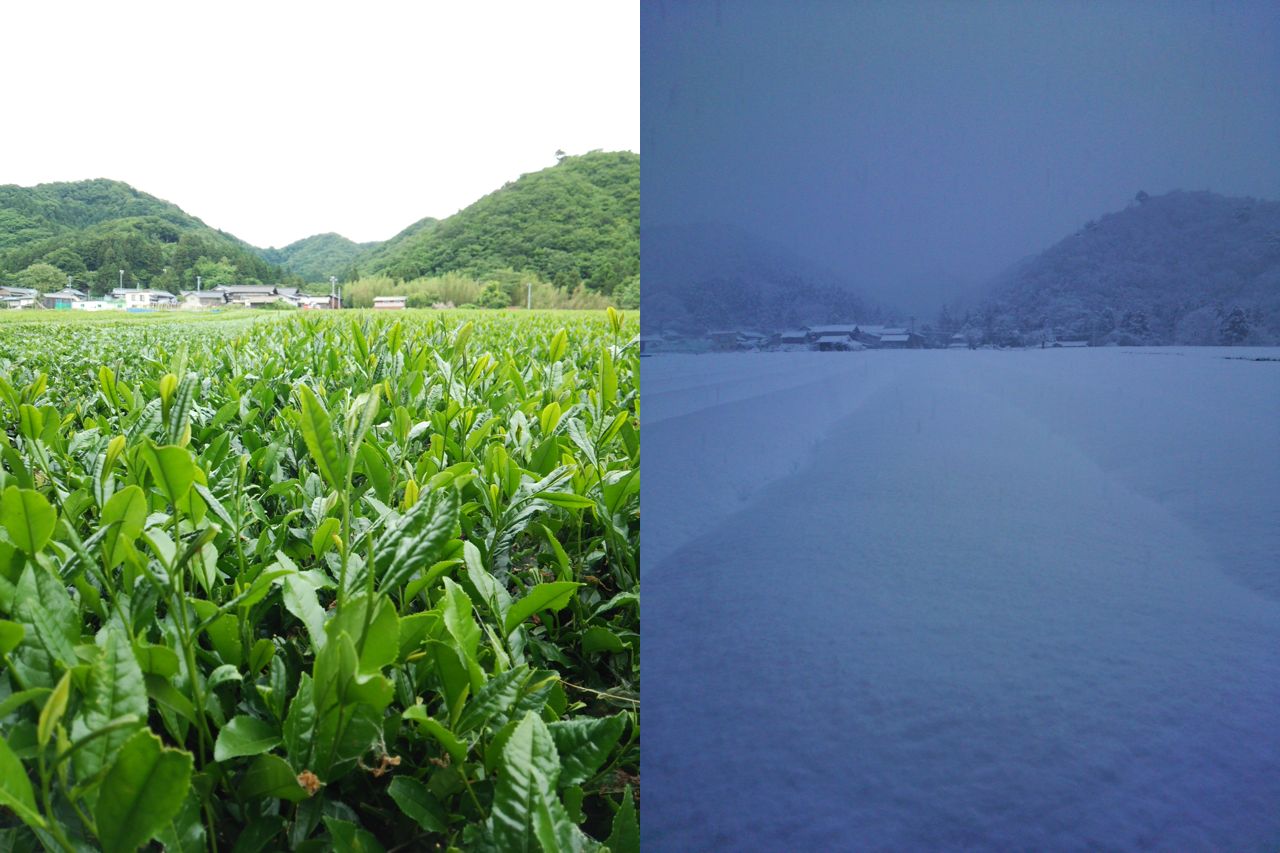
(1184,267)
(698,277)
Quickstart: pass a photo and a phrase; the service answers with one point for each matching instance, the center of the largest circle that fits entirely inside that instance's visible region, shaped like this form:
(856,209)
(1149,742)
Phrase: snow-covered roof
(795,333)
(834,339)
(895,339)
(838,329)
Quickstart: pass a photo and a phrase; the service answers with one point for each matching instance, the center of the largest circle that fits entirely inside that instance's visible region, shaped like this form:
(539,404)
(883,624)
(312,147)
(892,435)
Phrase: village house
(203,299)
(723,339)
(63,300)
(846,330)
(838,343)
(868,335)
(19,297)
(139,299)
(256,295)
(97,305)
(901,339)
(390,303)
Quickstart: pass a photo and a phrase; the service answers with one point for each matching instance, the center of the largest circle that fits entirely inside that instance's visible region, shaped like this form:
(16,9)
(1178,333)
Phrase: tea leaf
(245,735)
(28,518)
(142,792)
(317,431)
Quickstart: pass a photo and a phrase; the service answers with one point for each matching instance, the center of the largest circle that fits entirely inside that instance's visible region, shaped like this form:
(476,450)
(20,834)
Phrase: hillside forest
(571,231)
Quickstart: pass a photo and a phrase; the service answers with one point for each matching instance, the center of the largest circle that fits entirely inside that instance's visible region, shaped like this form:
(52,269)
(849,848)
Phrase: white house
(139,300)
(97,305)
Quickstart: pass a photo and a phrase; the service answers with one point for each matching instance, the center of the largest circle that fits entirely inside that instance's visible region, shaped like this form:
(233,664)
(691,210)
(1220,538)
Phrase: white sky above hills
(278,121)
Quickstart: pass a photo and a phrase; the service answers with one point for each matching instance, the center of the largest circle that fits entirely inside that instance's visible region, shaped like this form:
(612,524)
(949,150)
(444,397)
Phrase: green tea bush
(320,582)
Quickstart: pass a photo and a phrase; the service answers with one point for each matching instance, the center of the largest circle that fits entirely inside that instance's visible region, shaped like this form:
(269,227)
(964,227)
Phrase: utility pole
(530,284)
(122,279)
(198,284)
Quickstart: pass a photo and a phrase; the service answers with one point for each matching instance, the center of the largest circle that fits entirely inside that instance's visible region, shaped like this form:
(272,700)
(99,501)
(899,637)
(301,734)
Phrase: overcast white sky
(276,121)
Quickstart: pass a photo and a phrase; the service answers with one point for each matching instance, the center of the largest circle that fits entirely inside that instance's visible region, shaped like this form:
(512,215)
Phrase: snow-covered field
(962,600)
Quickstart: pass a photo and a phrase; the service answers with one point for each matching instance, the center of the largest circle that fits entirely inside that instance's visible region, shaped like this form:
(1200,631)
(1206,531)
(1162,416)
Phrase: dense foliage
(574,226)
(575,222)
(501,289)
(91,230)
(319,582)
(318,257)
(1186,267)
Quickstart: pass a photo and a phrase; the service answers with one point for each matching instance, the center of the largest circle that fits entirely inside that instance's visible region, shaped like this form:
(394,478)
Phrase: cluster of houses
(843,337)
(839,337)
(145,299)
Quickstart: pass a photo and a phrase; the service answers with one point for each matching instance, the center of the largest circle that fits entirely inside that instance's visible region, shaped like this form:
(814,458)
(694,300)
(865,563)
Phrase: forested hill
(713,276)
(317,257)
(577,221)
(1184,268)
(574,224)
(50,231)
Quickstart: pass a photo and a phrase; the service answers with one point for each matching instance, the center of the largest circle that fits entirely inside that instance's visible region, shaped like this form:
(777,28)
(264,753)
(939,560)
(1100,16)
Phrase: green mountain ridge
(575,223)
(319,256)
(83,227)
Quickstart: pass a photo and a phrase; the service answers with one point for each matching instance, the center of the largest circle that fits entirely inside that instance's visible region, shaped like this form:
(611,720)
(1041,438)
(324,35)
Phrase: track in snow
(1006,601)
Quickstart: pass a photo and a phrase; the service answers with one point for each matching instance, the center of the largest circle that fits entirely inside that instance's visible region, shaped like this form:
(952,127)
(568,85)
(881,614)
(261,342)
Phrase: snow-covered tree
(1235,327)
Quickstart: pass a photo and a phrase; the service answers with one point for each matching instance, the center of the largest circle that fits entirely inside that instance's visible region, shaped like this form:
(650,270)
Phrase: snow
(954,599)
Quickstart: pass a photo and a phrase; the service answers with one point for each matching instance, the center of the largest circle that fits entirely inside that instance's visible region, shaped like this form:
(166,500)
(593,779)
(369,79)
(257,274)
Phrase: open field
(319,581)
(963,600)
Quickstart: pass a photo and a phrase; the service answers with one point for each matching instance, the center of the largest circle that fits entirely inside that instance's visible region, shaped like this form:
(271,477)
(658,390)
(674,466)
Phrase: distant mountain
(1185,268)
(700,277)
(317,257)
(577,221)
(82,227)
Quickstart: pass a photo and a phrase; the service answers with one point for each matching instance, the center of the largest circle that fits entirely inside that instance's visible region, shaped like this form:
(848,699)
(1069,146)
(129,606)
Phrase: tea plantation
(341,581)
